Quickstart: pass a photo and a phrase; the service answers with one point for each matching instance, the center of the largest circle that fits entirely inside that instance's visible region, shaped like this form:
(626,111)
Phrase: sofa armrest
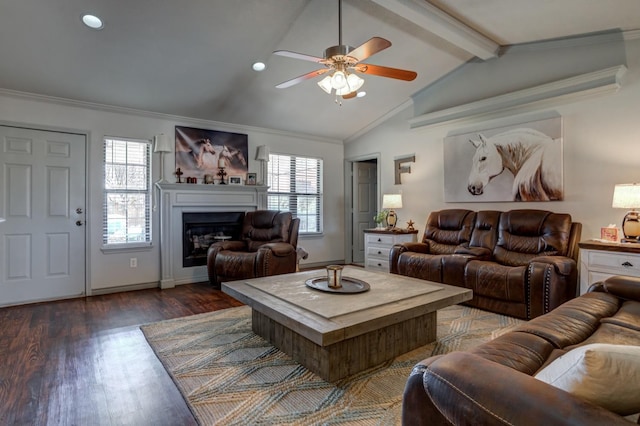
(278,249)
(398,249)
(552,280)
(461,387)
(417,247)
(563,265)
(621,286)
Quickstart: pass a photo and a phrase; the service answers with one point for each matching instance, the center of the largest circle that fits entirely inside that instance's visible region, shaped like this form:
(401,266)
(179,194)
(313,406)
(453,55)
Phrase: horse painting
(200,148)
(198,152)
(531,156)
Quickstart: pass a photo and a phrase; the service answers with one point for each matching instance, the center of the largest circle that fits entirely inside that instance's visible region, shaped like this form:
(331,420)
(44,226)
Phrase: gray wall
(601,133)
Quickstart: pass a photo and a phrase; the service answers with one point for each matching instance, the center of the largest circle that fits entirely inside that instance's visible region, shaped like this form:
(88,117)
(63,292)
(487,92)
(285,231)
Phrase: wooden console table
(600,260)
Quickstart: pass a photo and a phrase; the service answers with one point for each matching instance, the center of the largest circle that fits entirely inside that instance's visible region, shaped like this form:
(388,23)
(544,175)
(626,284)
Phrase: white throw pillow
(603,374)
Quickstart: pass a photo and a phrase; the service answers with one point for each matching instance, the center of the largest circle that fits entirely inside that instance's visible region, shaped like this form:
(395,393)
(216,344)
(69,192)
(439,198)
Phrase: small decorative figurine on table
(178,174)
(410,225)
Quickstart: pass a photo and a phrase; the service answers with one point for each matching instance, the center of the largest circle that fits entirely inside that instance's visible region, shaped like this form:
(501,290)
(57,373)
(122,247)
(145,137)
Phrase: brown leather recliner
(532,269)
(446,230)
(267,247)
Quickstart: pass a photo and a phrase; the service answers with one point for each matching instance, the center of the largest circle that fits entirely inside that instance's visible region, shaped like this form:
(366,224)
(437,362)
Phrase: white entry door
(42,198)
(365,190)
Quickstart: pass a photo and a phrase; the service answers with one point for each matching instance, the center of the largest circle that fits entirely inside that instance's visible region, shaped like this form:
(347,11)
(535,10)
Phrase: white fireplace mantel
(179,198)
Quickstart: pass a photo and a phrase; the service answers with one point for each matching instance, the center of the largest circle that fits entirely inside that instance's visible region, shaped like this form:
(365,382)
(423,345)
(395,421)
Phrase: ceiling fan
(344,62)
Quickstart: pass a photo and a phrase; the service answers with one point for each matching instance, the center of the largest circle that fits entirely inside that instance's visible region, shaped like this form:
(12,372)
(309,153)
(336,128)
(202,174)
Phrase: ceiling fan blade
(296,55)
(369,47)
(301,78)
(386,72)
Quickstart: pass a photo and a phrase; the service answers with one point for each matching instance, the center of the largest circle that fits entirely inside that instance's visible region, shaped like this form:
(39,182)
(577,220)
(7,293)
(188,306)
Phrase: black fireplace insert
(201,229)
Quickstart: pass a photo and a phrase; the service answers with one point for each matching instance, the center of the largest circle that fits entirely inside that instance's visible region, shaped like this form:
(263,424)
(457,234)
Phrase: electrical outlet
(133,262)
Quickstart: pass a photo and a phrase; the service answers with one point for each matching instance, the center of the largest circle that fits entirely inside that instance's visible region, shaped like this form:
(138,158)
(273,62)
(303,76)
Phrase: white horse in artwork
(234,158)
(531,156)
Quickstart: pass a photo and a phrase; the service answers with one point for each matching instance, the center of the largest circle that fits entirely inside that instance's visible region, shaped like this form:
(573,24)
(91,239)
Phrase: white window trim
(133,246)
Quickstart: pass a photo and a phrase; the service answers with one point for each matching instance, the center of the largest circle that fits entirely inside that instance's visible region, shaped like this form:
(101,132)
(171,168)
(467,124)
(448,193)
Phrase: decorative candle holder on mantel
(222,175)
(221,172)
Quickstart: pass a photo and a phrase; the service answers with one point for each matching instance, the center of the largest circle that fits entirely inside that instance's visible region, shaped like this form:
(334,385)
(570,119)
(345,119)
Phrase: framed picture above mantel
(201,152)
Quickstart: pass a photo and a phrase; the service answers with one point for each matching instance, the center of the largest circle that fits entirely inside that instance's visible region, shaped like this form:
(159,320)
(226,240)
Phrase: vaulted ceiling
(193,58)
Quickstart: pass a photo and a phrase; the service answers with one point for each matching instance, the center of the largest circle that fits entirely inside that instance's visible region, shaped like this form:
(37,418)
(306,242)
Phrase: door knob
(78,223)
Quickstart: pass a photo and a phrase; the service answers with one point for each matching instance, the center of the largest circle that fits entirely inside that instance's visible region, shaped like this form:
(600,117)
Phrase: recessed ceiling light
(259,66)
(361,94)
(92,22)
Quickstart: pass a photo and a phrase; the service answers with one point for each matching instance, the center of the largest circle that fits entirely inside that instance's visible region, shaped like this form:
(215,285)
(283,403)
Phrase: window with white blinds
(127,193)
(295,185)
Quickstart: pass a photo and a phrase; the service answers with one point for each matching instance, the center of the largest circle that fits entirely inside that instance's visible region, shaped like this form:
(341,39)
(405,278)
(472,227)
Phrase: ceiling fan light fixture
(354,82)
(325,84)
(344,91)
(338,80)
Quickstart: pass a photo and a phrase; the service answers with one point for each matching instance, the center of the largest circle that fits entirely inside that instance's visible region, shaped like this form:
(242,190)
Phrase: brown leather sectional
(493,383)
(521,263)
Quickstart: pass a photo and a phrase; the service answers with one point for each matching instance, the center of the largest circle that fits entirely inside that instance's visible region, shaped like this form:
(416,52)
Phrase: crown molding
(168,117)
(568,90)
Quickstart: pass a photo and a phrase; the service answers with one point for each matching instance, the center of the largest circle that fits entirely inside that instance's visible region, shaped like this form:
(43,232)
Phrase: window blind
(127,193)
(295,185)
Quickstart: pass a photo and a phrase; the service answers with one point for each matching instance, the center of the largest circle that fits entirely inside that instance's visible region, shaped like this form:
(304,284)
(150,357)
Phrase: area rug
(230,376)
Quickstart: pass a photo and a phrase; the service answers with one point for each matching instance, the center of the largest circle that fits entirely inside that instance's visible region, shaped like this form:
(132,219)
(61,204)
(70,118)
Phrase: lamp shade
(161,143)
(626,196)
(392,201)
(262,153)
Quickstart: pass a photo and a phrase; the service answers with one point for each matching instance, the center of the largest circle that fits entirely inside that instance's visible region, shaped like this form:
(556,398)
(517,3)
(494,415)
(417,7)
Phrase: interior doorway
(361,196)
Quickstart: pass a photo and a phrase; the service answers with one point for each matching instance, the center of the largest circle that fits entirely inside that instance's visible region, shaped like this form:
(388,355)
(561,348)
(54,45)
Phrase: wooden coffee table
(338,335)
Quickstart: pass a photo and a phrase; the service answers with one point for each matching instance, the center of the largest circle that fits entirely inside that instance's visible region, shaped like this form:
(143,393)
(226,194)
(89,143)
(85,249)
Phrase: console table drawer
(616,263)
(379,239)
(380,264)
(378,252)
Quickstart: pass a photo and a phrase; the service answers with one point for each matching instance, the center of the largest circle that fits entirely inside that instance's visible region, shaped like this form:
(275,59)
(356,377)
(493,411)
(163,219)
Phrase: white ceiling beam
(443,25)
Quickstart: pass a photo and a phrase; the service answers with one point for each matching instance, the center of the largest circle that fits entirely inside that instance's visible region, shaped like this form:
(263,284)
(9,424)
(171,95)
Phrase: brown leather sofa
(267,247)
(521,263)
(493,383)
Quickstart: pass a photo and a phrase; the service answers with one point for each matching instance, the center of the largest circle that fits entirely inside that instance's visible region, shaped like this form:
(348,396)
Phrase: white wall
(601,148)
(112,270)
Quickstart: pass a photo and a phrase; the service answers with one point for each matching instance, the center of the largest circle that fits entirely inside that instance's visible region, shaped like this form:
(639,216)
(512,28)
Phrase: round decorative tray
(349,285)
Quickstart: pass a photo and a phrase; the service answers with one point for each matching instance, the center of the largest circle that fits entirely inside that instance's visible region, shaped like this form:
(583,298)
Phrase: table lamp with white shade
(392,201)
(262,155)
(161,145)
(627,196)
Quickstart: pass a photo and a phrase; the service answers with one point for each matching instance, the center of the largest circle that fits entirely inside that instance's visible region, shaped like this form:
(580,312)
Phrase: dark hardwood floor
(86,362)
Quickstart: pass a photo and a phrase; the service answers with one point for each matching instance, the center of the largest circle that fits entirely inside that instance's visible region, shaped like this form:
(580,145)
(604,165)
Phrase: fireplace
(201,229)
(176,200)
